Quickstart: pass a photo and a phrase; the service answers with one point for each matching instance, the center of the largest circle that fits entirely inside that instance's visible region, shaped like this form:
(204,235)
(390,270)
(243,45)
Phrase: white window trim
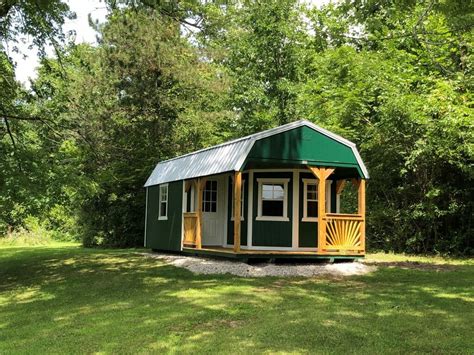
(165,217)
(242,201)
(262,181)
(217,196)
(307,182)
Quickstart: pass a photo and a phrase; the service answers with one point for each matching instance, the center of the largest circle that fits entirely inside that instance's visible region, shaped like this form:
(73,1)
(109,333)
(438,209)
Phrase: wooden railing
(344,232)
(190,225)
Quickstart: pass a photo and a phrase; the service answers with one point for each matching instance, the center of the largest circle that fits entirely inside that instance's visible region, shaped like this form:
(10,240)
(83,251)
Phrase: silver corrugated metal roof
(229,156)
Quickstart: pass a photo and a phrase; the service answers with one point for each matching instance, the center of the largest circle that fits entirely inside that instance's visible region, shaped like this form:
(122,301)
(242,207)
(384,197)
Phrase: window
(163,208)
(310,202)
(209,198)
(273,200)
(242,201)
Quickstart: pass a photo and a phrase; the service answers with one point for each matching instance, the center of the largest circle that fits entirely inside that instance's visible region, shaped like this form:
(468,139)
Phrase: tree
(261,45)
(42,21)
(170,77)
(407,107)
(129,103)
(19,143)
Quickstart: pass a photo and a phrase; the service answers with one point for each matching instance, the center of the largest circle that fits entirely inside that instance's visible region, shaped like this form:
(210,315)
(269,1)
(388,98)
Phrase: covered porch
(336,235)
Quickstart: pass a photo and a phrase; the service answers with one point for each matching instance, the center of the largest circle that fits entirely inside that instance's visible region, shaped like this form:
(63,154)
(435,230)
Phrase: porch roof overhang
(232,156)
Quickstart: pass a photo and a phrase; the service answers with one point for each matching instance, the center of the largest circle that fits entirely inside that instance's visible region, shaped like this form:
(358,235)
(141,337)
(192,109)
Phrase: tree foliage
(167,78)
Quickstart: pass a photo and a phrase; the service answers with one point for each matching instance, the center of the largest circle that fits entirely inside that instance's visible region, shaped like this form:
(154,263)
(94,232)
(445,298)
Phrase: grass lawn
(63,298)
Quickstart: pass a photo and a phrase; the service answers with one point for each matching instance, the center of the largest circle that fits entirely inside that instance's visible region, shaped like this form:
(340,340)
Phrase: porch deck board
(277,254)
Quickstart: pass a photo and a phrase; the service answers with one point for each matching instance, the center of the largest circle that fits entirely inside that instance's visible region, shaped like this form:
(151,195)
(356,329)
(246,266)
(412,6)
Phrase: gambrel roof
(231,156)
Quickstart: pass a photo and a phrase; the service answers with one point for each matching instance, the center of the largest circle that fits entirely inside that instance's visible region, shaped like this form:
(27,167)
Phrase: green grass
(63,299)
(437,260)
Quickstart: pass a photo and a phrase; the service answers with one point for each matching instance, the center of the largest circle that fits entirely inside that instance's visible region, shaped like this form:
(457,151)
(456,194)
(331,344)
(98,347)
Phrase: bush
(63,224)
(37,232)
(34,233)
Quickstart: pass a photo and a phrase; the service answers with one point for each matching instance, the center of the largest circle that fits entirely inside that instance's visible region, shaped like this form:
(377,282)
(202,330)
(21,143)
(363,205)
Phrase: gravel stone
(202,265)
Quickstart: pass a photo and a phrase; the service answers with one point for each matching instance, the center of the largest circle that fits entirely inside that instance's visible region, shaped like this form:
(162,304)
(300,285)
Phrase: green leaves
(394,77)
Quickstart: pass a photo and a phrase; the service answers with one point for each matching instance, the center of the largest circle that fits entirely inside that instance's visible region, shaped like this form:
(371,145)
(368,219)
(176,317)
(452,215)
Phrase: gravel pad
(199,265)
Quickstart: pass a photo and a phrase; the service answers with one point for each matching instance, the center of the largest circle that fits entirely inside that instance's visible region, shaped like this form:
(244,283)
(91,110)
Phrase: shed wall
(165,234)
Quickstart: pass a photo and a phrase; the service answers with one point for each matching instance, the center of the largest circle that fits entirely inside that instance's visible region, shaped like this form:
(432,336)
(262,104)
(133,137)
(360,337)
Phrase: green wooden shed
(274,193)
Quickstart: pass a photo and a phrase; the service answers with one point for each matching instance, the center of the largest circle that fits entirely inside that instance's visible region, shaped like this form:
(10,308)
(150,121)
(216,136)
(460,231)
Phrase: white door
(213,211)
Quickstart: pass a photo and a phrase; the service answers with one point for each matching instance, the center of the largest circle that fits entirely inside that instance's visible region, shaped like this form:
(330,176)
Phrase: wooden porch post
(321,174)
(200,183)
(237,207)
(361,211)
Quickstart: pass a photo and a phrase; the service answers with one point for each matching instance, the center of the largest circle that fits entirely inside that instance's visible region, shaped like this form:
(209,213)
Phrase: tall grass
(34,233)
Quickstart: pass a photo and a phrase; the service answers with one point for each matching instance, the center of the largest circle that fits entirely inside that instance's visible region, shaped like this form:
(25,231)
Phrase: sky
(27,59)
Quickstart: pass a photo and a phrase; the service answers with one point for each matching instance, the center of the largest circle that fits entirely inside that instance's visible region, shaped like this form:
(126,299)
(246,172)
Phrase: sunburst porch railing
(344,232)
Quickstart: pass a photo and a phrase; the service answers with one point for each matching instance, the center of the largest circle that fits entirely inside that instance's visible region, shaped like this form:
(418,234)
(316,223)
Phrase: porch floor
(268,254)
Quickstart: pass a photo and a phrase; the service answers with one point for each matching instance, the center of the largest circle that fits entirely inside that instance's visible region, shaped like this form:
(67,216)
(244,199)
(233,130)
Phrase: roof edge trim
(240,163)
(247,143)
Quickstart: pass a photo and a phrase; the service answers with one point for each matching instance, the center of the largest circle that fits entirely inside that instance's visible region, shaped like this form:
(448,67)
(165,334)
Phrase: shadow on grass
(63,299)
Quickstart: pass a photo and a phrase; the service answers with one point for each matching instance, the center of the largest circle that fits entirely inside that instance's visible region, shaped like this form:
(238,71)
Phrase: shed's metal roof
(229,156)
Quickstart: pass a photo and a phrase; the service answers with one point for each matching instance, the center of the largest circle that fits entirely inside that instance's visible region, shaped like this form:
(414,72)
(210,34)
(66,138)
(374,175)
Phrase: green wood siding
(272,233)
(243,224)
(165,234)
(301,145)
